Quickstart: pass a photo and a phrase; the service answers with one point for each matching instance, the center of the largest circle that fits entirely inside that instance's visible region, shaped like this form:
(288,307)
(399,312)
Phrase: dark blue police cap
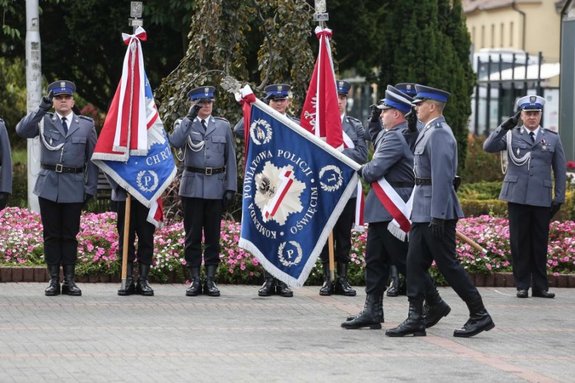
(62,87)
(429,93)
(532,102)
(343,87)
(407,88)
(201,93)
(277,91)
(395,99)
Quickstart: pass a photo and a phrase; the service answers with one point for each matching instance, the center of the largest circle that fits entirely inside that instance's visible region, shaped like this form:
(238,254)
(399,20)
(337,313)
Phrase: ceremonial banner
(133,148)
(320,113)
(295,187)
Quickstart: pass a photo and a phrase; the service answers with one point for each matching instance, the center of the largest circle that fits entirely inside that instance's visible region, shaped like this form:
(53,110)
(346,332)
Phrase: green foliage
(426,42)
(480,165)
(478,207)
(12,95)
(480,190)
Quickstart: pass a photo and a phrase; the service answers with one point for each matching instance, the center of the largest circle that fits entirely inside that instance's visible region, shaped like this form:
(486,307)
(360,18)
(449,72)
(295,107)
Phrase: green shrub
(480,165)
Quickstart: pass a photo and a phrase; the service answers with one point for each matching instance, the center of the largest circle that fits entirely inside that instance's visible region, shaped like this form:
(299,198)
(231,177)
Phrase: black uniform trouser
(202,216)
(529,236)
(424,248)
(61,222)
(383,250)
(341,235)
(139,226)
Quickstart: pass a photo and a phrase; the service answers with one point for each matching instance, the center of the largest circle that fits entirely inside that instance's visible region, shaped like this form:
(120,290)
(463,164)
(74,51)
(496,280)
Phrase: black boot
(479,320)
(143,287)
(342,286)
(414,324)
(369,316)
(210,287)
(378,309)
(130,287)
(54,286)
(196,284)
(69,286)
(327,287)
(283,289)
(269,286)
(393,289)
(434,308)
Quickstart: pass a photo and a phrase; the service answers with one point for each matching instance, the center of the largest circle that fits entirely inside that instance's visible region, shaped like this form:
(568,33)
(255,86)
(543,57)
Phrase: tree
(426,42)
(258,42)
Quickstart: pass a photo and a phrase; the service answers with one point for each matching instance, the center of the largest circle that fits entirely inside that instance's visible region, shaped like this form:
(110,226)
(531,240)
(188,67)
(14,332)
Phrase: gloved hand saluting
(228,198)
(46,103)
(511,122)
(411,118)
(437,226)
(193,112)
(375,113)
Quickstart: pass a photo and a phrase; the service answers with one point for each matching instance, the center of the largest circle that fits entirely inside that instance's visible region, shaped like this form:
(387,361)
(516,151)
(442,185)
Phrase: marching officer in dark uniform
(5,166)
(393,160)
(139,226)
(67,180)
(207,186)
(356,149)
(434,218)
(532,152)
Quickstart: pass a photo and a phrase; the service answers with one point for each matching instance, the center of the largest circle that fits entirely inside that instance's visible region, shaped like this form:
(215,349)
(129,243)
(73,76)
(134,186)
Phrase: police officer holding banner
(67,179)
(5,166)
(356,149)
(207,186)
(392,160)
(532,152)
(434,218)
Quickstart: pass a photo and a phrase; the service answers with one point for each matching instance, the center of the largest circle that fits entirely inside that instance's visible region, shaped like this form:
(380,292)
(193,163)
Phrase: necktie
(65,125)
(204,124)
(532,136)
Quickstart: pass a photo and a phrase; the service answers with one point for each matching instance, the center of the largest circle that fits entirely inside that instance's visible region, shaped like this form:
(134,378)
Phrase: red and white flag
(133,148)
(396,206)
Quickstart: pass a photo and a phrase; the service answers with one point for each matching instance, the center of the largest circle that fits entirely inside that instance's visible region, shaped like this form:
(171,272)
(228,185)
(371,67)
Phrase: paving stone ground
(240,337)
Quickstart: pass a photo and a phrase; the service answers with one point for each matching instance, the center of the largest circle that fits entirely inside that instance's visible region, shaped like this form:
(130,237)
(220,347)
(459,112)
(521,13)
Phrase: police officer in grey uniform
(139,226)
(434,218)
(393,160)
(67,179)
(532,153)
(356,149)
(208,184)
(5,166)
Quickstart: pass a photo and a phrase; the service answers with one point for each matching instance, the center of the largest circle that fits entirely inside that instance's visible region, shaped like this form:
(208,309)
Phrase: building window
(501,34)
(511,30)
(483,36)
(492,45)
(473,36)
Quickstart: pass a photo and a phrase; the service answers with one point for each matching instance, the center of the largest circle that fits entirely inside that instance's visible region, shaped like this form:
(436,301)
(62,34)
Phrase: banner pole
(331,257)
(470,242)
(125,241)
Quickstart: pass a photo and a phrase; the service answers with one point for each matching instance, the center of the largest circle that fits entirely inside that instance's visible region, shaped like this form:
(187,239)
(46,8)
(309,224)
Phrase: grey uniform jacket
(76,151)
(5,160)
(355,131)
(435,158)
(218,151)
(393,160)
(531,183)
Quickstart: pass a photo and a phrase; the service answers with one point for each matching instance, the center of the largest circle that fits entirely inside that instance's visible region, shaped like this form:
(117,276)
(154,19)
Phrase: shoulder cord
(517,161)
(49,146)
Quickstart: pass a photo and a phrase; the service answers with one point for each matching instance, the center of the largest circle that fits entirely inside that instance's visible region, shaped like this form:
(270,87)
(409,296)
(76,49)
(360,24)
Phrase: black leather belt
(423,181)
(59,168)
(400,184)
(206,171)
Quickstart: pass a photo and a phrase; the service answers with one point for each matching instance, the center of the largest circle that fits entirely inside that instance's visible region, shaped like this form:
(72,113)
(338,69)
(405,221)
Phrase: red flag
(320,114)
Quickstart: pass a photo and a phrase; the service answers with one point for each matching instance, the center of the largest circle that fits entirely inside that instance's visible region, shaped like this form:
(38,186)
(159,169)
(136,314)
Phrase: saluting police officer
(5,166)
(532,152)
(356,149)
(434,218)
(393,160)
(207,186)
(67,180)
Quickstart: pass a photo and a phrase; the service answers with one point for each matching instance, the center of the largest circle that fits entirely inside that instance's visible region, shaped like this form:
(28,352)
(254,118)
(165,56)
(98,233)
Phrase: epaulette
(221,118)
(353,119)
(550,131)
(438,124)
(86,118)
